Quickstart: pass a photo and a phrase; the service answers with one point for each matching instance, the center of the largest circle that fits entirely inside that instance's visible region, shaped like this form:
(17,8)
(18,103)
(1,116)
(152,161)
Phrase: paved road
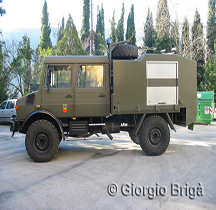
(78,177)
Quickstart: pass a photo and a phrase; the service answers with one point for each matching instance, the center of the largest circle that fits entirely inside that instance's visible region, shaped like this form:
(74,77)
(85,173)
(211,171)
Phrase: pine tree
(113,29)
(45,40)
(185,40)
(85,31)
(120,26)
(131,32)
(198,49)
(70,44)
(163,27)
(211,29)
(100,43)
(175,37)
(149,32)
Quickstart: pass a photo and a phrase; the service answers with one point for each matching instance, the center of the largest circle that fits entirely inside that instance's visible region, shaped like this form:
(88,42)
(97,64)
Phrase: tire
(42,141)
(154,136)
(125,51)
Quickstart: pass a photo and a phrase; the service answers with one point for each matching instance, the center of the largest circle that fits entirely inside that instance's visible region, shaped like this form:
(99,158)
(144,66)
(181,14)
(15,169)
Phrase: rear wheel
(154,135)
(42,141)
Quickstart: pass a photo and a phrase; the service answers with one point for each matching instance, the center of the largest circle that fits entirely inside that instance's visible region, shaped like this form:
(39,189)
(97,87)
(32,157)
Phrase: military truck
(80,96)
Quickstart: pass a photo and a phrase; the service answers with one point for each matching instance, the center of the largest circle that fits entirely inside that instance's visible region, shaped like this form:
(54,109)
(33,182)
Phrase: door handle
(68,96)
(101,95)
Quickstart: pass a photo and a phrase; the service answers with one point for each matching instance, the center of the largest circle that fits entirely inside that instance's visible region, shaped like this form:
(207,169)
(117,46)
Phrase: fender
(46,113)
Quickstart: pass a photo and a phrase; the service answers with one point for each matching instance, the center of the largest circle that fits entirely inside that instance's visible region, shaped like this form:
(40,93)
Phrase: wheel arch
(42,114)
(165,116)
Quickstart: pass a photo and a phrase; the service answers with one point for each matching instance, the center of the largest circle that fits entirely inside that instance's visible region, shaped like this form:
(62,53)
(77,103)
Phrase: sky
(23,14)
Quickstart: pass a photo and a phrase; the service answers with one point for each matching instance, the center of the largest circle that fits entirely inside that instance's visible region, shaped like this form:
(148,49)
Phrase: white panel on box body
(162,82)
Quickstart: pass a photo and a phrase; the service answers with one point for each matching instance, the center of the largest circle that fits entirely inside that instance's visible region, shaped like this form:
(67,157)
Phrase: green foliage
(4,77)
(131,32)
(20,66)
(100,43)
(149,32)
(60,30)
(112,35)
(185,41)
(70,44)
(2,11)
(25,52)
(120,26)
(198,50)
(37,65)
(45,40)
(85,31)
(163,27)
(211,29)
(210,72)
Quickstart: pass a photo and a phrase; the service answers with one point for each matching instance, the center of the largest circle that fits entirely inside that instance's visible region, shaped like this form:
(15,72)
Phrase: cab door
(92,91)
(58,96)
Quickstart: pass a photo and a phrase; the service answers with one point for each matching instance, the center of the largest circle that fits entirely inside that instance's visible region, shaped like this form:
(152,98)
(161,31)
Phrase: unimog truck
(79,96)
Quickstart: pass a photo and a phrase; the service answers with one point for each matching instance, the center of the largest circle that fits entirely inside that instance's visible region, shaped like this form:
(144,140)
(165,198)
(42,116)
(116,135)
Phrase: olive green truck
(80,96)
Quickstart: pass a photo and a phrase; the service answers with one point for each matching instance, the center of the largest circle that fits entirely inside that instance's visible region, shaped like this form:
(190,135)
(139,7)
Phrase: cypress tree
(100,43)
(163,27)
(131,32)
(198,49)
(185,40)
(149,32)
(85,31)
(113,28)
(120,26)
(70,44)
(45,40)
(211,29)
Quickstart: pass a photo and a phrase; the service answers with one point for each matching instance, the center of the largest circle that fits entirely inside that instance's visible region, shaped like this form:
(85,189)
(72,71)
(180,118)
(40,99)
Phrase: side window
(10,105)
(2,106)
(91,76)
(60,76)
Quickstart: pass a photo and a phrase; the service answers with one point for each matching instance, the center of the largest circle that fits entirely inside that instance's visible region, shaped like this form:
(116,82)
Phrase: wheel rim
(156,137)
(42,142)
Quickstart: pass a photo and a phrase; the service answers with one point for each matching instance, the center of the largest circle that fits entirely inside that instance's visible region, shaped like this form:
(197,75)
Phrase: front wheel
(154,135)
(42,141)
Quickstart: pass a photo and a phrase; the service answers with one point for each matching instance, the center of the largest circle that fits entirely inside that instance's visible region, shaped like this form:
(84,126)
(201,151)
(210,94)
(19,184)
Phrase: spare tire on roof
(125,51)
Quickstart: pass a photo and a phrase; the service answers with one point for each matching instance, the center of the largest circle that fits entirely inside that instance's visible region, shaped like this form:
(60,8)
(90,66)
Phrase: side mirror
(49,78)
